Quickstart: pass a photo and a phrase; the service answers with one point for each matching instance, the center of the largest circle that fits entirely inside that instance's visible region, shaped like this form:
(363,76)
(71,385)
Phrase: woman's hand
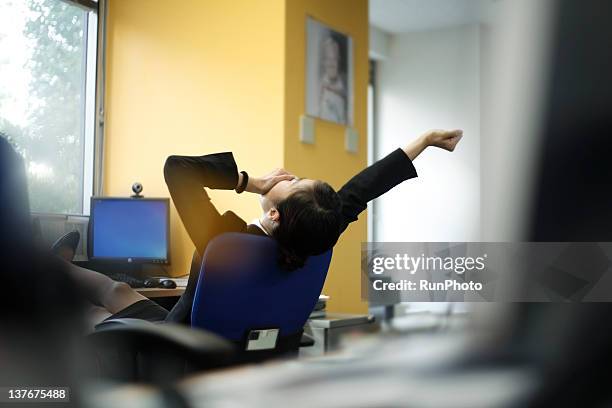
(444,139)
(261,185)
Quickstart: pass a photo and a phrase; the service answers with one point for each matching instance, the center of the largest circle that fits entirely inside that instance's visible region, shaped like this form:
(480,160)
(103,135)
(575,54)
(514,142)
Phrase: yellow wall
(192,77)
(327,159)
(200,76)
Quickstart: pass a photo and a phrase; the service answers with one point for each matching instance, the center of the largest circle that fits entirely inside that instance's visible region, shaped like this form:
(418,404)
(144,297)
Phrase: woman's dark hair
(310,224)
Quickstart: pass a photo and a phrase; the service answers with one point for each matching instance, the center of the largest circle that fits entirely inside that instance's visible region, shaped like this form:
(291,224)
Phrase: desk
(328,330)
(161,292)
(166,298)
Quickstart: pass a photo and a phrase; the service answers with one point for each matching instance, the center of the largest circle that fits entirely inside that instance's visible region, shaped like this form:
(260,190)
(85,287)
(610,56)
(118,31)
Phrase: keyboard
(129,279)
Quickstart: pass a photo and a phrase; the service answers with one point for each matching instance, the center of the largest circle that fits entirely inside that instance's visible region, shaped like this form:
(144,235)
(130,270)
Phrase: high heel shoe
(65,247)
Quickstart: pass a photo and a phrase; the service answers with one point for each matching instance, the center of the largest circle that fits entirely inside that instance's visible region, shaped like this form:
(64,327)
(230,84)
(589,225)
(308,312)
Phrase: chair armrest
(196,345)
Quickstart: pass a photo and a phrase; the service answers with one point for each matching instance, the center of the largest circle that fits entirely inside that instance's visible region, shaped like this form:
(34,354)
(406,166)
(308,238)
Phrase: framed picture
(329,73)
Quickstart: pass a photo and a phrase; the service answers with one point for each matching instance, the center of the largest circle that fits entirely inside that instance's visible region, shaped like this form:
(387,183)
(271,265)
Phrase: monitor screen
(129,229)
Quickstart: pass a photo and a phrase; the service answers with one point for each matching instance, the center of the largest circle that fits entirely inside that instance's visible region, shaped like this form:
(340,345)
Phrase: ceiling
(400,16)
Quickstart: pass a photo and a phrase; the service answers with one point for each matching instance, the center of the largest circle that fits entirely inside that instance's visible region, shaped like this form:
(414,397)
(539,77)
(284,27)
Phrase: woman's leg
(96,315)
(103,291)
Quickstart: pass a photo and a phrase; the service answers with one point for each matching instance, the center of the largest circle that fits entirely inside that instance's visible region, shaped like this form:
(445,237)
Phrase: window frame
(371,133)
(93,109)
(98,164)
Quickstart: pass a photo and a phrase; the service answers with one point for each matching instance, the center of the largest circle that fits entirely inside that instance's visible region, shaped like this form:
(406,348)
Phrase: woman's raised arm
(444,139)
(390,171)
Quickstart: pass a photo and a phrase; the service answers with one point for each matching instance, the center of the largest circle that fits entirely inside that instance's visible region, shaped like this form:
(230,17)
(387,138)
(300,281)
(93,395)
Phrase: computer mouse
(168,284)
(151,283)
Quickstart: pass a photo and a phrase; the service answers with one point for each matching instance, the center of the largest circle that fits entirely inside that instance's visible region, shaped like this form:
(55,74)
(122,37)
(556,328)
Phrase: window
(47,97)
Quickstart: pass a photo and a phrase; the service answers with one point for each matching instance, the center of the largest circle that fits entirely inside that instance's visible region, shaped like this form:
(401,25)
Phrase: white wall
(431,80)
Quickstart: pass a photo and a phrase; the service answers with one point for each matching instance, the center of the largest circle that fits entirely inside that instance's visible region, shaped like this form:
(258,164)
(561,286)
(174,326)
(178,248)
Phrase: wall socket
(351,140)
(307,129)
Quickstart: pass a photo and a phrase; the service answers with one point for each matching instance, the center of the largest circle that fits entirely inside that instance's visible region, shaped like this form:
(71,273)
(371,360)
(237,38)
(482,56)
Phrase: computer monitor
(132,230)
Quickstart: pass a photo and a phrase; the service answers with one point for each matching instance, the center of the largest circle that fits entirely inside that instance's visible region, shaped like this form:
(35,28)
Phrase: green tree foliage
(53,135)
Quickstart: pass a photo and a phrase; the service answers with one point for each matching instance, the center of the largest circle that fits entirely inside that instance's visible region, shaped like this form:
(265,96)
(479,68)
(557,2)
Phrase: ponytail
(310,224)
(288,260)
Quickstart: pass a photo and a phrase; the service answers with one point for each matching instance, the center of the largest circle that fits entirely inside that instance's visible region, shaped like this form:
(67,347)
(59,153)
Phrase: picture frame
(329,73)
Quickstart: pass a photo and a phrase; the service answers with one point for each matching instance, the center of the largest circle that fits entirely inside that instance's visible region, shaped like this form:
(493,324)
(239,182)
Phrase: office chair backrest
(241,287)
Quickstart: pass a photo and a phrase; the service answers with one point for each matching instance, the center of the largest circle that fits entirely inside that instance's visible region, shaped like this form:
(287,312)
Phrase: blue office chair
(244,296)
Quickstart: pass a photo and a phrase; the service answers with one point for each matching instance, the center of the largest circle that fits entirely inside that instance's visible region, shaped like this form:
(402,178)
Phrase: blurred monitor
(132,230)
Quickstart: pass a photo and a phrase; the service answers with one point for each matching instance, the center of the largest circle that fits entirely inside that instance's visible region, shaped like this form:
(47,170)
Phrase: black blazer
(186,177)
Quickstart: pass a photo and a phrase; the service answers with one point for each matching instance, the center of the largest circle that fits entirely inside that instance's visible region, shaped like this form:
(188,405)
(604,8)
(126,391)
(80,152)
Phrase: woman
(306,217)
